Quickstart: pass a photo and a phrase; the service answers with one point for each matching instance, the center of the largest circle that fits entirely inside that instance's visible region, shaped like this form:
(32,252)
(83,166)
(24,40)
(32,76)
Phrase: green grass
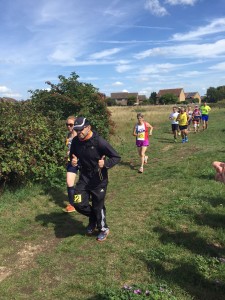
(167,225)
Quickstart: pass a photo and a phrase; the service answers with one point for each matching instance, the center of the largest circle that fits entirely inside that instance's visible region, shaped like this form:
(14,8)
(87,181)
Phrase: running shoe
(70,208)
(141,170)
(183,141)
(90,228)
(102,236)
(186,139)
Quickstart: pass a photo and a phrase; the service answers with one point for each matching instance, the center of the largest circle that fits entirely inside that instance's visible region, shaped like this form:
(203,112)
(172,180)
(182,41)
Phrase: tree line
(213,95)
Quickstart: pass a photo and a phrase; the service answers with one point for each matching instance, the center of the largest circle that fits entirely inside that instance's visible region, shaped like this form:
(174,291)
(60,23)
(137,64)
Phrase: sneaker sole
(104,238)
(90,233)
(66,211)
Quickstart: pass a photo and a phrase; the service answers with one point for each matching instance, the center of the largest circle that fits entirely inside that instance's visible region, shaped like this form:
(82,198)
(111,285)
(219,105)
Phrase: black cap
(80,123)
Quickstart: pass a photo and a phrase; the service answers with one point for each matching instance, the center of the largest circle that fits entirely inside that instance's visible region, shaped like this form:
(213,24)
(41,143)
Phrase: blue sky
(118,45)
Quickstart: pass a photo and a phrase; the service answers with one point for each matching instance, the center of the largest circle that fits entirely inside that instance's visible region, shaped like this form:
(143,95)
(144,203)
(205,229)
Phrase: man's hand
(101,162)
(74,160)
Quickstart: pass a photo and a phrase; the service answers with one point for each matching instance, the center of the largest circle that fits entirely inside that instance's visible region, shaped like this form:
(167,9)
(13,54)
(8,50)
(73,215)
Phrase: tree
(71,97)
(212,94)
(131,100)
(110,102)
(168,99)
(153,98)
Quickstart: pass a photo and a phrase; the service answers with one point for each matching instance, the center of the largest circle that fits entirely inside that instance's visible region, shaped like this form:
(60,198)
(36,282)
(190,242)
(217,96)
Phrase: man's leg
(203,122)
(98,206)
(81,200)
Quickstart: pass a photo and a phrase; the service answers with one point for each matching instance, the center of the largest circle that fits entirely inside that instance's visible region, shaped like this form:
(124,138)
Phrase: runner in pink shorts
(141,131)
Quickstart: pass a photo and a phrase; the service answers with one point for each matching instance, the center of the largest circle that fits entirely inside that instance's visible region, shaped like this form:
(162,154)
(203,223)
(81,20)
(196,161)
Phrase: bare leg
(70,179)
(203,125)
(141,152)
(220,171)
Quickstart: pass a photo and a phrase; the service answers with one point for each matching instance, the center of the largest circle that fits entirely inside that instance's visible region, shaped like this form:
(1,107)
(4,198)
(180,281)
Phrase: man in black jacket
(91,150)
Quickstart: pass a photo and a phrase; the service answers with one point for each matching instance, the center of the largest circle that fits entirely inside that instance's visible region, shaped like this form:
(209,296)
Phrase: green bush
(71,97)
(32,133)
(32,146)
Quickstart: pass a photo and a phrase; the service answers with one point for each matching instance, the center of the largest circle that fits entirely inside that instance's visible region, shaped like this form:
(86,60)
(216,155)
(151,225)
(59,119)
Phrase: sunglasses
(69,124)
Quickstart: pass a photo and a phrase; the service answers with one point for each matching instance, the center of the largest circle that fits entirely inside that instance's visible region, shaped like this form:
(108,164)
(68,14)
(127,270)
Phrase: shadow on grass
(189,279)
(130,164)
(165,140)
(215,201)
(213,220)
(57,195)
(190,241)
(64,224)
(209,176)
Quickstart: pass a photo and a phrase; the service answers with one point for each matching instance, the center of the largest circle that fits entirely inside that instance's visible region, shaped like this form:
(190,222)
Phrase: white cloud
(218,67)
(117,83)
(62,54)
(123,68)
(158,68)
(4,89)
(189,74)
(181,2)
(13,95)
(187,51)
(155,8)
(215,26)
(105,53)
(114,13)
(7,92)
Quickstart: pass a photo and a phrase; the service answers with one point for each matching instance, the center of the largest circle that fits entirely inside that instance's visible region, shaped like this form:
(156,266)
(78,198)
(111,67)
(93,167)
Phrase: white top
(173,116)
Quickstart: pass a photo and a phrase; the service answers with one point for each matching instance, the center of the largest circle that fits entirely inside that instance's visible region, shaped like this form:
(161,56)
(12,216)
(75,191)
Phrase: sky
(117,46)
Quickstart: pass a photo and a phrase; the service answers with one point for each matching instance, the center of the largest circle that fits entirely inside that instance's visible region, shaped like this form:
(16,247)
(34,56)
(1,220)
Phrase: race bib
(77,198)
(141,135)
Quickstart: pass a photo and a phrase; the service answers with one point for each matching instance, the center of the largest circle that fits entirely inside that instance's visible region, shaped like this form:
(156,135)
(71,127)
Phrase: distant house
(122,97)
(7,99)
(179,93)
(191,96)
(141,99)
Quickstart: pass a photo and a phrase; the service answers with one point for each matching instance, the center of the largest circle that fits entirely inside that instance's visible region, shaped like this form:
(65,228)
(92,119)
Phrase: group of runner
(181,119)
(87,152)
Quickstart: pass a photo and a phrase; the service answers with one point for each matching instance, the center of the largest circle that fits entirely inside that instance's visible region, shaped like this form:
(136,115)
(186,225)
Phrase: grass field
(167,225)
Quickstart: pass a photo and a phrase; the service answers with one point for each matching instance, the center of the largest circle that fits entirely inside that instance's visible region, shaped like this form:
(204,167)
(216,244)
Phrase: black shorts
(196,120)
(72,169)
(183,127)
(174,127)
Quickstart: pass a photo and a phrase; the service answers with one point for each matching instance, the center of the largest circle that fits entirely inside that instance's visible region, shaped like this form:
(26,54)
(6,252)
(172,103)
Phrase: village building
(191,96)
(122,97)
(178,92)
